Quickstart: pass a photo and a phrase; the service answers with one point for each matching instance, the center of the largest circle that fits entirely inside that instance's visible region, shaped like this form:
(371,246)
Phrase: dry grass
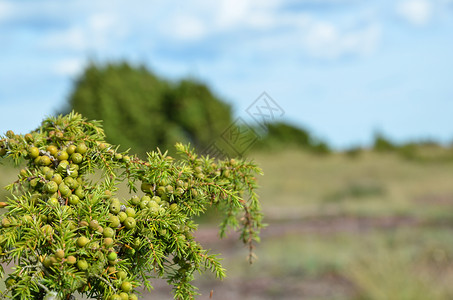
(371,185)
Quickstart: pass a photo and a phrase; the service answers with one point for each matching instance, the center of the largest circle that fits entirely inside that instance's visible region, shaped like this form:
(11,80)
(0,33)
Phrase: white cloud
(5,10)
(73,38)
(104,29)
(325,40)
(322,36)
(101,23)
(202,19)
(255,14)
(185,28)
(232,12)
(279,28)
(417,12)
(68,67)
(98,32)
(273,28)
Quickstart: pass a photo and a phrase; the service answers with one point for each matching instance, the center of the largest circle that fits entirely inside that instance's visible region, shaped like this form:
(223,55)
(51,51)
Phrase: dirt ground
(329,286)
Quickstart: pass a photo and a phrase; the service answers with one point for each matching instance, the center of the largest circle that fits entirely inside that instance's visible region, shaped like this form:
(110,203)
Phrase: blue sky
(342,68)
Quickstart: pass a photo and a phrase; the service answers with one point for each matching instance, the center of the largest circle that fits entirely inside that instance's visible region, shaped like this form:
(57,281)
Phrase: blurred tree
(281,135)
(202,115)
(382,144)
(142,111)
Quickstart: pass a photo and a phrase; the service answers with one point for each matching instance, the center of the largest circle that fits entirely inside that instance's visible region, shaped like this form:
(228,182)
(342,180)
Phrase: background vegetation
(143,111)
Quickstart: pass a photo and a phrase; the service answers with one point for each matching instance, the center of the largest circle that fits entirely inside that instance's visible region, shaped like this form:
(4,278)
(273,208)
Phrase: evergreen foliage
(65,232)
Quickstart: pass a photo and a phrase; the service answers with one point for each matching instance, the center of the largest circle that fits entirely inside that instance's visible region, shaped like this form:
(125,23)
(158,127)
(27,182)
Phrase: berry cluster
(68,232)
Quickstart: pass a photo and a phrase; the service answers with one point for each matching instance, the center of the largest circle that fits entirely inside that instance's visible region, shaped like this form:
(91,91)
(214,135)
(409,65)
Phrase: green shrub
(65,232)
(382,144)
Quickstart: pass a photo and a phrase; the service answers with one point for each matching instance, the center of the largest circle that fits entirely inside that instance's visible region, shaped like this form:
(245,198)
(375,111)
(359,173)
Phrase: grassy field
(372,227)
(299,184)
